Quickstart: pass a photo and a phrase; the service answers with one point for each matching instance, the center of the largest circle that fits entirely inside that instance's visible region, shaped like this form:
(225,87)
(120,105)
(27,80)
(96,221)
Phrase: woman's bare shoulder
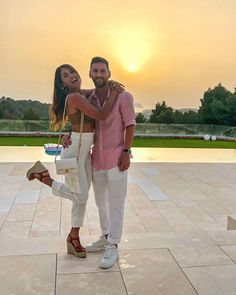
(74,97)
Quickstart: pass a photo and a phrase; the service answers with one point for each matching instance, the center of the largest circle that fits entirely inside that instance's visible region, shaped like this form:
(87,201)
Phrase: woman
(67,83)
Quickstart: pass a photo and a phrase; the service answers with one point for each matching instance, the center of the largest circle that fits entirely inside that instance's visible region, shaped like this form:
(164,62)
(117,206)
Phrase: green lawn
(183,143)
(29,141)
(155,142)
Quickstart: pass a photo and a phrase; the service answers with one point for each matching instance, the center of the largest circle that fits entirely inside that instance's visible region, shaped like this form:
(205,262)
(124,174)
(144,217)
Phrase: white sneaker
(110,257)
(99,245)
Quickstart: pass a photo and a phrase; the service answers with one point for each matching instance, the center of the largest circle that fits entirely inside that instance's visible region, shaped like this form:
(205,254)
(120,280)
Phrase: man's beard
(100,82)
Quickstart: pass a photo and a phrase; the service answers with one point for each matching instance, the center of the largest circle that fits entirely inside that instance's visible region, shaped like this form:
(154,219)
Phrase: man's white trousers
(110,189)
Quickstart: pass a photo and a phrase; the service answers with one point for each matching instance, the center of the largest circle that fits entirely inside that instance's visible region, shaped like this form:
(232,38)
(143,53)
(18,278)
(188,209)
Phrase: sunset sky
(170,50)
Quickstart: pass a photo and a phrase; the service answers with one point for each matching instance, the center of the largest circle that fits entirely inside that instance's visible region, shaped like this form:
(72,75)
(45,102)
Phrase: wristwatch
(128,151)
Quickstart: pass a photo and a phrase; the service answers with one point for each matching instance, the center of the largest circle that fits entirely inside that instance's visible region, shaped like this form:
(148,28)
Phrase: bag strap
(81,129)
(81,132)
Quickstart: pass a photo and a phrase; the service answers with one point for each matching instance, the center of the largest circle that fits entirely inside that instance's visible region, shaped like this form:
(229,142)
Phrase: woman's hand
(65,140)
(116,86)
(113,94)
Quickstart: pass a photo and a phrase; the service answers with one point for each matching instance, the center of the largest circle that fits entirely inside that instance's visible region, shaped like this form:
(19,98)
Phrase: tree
(213,105)
(189,117)
(1,112)
(140,118)
(161,114)
(30,114)
(14,109)
(166,116)
(231,109)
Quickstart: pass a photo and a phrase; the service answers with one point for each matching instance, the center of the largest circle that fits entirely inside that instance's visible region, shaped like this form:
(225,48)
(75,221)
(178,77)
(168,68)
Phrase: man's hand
(124,161)
(65,140)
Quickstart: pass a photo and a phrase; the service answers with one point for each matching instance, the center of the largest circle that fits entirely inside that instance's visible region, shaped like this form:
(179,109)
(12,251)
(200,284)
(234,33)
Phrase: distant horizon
(137,105)
(148,107)
(172,51)
(137,108)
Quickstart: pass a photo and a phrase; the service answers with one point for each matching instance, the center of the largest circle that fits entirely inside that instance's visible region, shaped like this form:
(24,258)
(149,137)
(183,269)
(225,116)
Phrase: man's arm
(124,160)
(128,116)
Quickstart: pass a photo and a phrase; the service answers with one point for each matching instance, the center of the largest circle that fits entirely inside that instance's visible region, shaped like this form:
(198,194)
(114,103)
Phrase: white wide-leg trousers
(63,190)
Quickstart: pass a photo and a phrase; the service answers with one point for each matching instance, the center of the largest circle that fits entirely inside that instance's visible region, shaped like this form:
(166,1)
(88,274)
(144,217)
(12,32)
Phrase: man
(110,159)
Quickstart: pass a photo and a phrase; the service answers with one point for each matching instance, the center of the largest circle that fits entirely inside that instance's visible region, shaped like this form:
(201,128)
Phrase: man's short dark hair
(99,59)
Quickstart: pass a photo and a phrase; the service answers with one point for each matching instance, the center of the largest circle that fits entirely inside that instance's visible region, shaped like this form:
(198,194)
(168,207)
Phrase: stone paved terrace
(175,237)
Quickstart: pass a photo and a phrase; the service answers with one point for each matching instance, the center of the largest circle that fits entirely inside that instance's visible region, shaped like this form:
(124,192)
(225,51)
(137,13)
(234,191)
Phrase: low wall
(56,134)
(141,128)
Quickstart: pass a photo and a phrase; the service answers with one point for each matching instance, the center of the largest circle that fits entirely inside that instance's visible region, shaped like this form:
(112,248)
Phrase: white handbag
(69,166)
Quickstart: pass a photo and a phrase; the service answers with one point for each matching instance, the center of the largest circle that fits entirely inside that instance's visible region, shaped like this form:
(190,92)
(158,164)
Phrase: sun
(132,61)
(132,68)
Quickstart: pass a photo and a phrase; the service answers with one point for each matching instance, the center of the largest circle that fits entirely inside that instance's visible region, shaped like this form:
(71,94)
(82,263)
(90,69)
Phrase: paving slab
(106,283)
(153,272)
(213,280)
(230,251)
(15,229)
(22,212)
(69,264)
(28,275)
(200,256)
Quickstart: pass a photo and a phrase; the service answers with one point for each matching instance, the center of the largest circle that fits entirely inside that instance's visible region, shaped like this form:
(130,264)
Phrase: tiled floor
(175,238)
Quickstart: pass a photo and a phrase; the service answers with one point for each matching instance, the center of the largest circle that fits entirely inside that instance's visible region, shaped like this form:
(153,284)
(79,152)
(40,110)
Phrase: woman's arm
(87,92)
(114,85)
(77,101)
